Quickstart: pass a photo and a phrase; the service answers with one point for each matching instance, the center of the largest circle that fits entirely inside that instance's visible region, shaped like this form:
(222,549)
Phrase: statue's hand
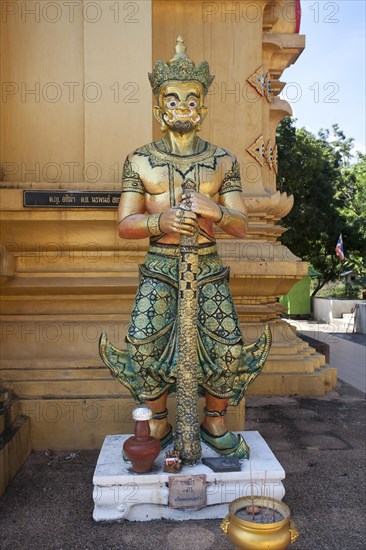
(177,220)
(202,206)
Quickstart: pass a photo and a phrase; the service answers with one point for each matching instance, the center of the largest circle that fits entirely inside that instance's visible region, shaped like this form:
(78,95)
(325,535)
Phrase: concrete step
(99,387)
(15,436)
(45,374)
(9,411)
(15,447)
(304,385)
(4,395)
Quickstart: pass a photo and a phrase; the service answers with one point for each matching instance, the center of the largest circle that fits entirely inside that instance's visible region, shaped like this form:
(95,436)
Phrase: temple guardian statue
(184,334)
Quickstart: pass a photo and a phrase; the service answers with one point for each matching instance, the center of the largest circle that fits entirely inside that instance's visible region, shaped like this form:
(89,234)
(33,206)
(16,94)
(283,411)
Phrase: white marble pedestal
(121,494)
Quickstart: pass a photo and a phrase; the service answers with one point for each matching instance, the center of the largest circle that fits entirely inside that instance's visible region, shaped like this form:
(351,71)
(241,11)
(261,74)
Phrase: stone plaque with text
(187,491)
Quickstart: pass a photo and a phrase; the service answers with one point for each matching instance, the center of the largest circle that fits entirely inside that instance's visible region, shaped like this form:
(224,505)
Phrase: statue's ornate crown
(180,67)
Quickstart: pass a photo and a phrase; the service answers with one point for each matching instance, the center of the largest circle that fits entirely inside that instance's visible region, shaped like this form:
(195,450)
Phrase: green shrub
(340,289)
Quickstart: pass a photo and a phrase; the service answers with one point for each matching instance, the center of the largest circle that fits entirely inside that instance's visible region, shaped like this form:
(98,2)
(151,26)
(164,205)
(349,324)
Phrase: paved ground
(347,349)
(320,442)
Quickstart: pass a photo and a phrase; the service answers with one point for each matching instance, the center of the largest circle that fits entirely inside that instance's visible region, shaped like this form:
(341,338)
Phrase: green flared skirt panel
(147,367)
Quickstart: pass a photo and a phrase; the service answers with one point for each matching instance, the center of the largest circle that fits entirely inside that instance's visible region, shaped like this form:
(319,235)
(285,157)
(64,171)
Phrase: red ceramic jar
(142,449)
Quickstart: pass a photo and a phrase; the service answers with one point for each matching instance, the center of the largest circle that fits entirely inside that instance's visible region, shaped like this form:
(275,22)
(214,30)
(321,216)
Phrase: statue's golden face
(181,106)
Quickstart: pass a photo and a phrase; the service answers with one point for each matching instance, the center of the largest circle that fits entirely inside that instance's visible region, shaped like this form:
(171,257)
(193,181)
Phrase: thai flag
(339,248)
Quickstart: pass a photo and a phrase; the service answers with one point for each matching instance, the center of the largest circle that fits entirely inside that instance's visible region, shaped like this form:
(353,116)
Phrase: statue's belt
(173,250)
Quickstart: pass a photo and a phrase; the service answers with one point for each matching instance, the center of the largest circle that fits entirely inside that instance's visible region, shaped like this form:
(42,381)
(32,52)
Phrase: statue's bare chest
(163,174)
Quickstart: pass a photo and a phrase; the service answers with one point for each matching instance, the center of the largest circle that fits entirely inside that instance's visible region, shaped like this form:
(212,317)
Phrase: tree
(352,196)
(328,196)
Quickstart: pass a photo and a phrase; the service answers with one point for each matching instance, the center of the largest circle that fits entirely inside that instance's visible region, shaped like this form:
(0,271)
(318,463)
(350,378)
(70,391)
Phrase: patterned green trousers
(148,367)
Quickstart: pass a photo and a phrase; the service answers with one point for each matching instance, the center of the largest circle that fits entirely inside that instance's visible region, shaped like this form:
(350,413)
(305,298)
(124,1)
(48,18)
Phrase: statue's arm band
(153,224)
(229,186)
(225,216)
(125,218)
(231,181)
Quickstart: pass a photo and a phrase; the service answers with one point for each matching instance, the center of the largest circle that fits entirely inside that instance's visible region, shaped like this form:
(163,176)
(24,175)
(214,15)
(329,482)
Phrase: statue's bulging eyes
(172,104)
(192,104)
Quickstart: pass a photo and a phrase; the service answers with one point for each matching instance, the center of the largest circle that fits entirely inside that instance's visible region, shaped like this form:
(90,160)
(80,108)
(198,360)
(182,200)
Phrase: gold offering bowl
(248,535)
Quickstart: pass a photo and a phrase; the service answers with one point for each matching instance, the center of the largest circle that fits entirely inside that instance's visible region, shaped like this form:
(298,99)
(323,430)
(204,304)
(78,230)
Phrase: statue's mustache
(175,118)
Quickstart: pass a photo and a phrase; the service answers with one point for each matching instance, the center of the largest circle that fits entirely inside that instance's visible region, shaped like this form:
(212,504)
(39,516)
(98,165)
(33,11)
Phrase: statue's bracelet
(153,224)
(225,217)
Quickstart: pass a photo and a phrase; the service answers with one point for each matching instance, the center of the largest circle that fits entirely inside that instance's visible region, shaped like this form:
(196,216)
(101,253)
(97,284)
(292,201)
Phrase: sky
(326,84)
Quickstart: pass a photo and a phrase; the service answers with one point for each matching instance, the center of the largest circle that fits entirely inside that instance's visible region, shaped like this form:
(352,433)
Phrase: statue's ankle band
(160,415)
(214,413)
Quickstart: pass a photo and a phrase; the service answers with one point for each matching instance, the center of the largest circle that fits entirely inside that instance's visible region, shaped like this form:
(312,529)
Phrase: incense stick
(267,496)
(262,496)
(251,486)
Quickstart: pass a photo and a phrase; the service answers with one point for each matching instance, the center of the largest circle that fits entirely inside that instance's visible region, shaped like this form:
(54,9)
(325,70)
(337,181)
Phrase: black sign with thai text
(71,199)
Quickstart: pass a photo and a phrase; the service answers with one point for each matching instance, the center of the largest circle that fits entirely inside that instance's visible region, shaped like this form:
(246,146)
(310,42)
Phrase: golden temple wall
(75,101)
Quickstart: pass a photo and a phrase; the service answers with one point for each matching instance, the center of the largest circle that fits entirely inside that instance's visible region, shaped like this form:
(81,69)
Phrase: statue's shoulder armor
(221,152)
(131,180)
(231,179)
(143,151)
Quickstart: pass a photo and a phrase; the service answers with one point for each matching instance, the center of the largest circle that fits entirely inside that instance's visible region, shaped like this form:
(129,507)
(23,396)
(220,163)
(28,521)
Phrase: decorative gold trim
(257,80)
(153,225)
(267,88)
(161,415)
(187,434)
(158,334)
(214,414)
(294,532)
(225,218)
(261,82)
(275,159)
(180,68)
(224,525)
(231,180)
(268,154)
(131,181)
(103,344)
(173,250)
(182,163)
(256,150)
